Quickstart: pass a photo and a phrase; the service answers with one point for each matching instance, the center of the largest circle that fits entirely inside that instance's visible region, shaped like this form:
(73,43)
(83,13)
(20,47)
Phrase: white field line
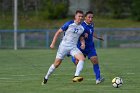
(22,75)
(3,78)
(130,73)
(26,75)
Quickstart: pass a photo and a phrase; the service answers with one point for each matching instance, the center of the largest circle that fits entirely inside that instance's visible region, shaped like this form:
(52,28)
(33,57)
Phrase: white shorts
(64,50)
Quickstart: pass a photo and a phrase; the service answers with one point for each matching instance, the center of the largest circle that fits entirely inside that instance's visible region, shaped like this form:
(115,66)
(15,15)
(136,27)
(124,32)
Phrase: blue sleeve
(66,25)
(84,26)
(83,34)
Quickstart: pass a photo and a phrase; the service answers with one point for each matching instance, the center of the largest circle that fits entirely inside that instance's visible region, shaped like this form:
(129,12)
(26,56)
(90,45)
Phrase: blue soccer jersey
(89,48)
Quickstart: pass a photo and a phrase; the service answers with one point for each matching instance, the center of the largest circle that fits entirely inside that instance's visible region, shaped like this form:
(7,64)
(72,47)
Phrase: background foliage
(55,9)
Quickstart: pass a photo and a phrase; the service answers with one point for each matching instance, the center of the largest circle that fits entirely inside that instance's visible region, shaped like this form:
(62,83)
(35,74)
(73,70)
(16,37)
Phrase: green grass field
(22,71)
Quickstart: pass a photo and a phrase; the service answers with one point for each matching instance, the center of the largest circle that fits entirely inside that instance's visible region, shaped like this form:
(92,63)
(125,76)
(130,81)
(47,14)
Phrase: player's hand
(52,46)
(83,46)
(86,35)
(101,38)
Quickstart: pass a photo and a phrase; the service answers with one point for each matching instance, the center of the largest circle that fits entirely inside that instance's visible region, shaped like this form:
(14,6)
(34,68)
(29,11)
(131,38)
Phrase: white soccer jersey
(72,32)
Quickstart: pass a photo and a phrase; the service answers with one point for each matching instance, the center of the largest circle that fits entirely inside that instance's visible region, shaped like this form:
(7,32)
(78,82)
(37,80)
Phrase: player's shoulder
(66,25)
(69,22)
(83,24)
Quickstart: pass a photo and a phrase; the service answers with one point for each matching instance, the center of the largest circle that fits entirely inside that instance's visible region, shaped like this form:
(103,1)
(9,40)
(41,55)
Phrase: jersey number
(75,30)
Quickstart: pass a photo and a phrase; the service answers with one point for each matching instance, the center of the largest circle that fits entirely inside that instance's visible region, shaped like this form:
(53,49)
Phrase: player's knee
(82,58)
(94,60)
(57,63)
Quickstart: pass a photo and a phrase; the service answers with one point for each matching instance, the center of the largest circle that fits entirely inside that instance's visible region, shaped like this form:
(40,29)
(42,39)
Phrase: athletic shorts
(90,53)
(64,50)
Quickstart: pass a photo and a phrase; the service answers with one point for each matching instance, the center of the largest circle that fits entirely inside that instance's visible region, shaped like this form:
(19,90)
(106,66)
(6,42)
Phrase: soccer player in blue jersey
(90,50)
(73,30)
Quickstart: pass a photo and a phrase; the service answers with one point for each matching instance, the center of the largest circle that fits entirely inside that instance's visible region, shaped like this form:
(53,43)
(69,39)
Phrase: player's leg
(56,63)
(79,56)
(52,68)
(92,55)
(80,64)
(96,69)
(74,60)
(59,57)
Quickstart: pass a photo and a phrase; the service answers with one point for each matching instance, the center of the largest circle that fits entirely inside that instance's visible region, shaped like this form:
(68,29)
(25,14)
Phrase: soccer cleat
(77,79)
(98,81)
(44,81)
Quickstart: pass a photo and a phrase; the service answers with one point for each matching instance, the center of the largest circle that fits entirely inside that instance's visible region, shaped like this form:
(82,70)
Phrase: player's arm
(55,38)
(100,38)
(82,41)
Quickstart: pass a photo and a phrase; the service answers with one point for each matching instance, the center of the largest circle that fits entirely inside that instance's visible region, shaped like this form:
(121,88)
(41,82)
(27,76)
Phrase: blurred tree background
(117,8)
(48,9)
(43,13)
(56,9)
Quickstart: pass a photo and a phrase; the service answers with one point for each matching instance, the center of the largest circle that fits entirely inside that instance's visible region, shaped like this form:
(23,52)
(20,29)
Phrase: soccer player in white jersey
(73,31)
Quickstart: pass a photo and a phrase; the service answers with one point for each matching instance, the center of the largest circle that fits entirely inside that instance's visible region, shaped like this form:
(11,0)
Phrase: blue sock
(73,59)
(96,70)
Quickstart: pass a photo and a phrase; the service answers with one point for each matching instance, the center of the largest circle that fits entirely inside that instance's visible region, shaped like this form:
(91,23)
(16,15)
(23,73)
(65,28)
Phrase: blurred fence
(41,38)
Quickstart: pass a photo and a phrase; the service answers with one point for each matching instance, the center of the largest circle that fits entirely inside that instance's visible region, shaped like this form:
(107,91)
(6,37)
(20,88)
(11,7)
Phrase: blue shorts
(89,53)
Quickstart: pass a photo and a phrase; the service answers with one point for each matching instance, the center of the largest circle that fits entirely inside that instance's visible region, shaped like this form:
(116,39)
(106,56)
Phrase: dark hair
(88,12)
(79,11)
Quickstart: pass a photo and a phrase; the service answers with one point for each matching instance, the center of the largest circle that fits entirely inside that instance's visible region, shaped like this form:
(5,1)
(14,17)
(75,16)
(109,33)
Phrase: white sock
(50,71)
(79,67)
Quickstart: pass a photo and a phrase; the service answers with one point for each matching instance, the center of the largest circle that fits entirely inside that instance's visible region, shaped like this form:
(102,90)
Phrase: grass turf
(22,71)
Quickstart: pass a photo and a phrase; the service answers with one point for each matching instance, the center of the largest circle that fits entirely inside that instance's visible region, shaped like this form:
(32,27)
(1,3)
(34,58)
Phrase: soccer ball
(117,82)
